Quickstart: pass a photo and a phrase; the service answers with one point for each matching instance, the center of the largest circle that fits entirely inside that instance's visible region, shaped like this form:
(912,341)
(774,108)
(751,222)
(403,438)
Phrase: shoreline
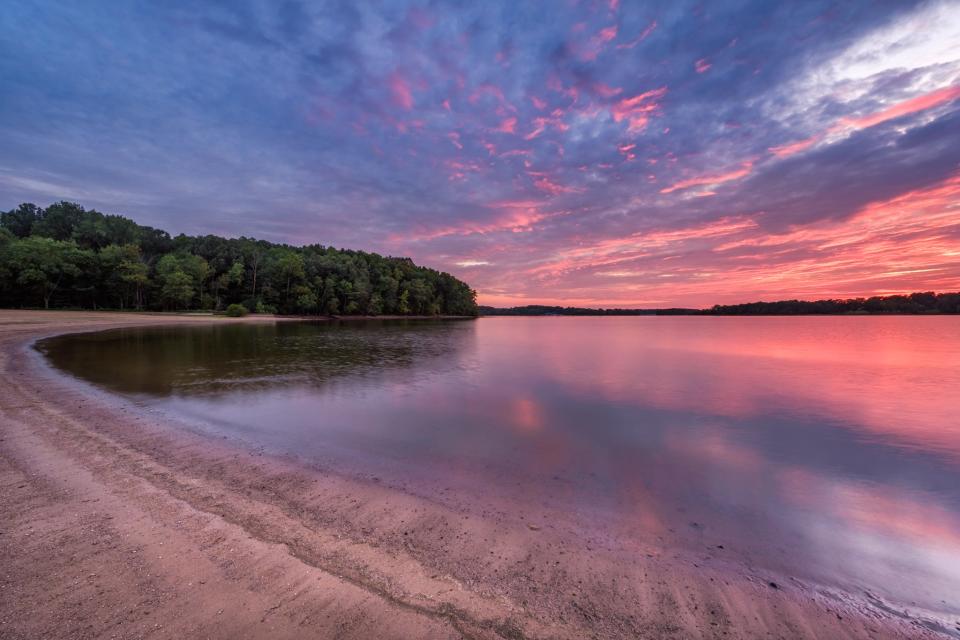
(125,525)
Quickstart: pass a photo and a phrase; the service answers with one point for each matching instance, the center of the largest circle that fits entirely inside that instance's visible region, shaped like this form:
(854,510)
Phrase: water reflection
(218,360)
(826,448)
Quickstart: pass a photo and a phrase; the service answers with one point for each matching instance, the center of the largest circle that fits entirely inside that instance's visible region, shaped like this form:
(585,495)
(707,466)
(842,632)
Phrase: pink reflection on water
(883,376)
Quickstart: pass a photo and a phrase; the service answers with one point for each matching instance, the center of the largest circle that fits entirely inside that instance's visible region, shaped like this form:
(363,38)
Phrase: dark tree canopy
(67,256)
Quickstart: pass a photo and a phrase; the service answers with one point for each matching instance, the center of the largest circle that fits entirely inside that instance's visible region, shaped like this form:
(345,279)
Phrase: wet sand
(118,524)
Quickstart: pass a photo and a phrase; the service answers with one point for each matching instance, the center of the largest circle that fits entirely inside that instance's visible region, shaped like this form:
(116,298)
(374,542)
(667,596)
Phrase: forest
(65,256)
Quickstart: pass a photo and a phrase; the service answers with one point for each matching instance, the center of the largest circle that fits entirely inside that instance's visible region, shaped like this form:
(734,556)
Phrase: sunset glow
(609,154)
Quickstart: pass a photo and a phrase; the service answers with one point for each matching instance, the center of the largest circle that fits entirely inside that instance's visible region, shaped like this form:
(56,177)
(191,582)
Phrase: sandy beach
(116,524)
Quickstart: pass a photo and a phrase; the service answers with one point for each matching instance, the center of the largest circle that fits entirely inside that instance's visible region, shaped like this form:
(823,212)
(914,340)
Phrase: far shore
(117,523)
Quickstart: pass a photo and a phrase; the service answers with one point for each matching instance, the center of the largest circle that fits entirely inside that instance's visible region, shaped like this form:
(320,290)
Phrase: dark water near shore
(826,448)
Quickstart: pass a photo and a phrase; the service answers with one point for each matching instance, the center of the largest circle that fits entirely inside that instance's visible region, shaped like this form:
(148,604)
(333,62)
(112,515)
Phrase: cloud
(400,91)
(637,110)
(711,179)
(907,107)
(581,157)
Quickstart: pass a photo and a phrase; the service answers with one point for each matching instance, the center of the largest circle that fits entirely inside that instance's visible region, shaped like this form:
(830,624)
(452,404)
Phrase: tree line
(65,256)
(547,310)
(913,303)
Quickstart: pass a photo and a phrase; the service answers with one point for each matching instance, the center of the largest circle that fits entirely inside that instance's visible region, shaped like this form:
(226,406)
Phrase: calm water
(824,448)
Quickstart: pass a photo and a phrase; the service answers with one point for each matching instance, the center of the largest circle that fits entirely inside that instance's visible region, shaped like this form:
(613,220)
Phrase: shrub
(265,308)
(236,311)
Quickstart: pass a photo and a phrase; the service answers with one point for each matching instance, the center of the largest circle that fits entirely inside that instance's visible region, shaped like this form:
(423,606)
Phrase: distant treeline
(925,302)
(66,256)
(542,310)
(914,303)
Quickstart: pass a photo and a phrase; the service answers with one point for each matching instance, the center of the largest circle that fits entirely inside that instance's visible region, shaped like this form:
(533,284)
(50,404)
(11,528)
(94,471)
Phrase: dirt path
(117,526)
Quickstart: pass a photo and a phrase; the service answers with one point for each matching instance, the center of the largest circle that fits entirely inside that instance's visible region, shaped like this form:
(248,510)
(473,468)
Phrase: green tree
(124,272)
(288,269)
(121,263)
(178,289)
(403,306)
(307,302)
(375,305)
(20,221)
(232,277)
(44,265)
(58,221)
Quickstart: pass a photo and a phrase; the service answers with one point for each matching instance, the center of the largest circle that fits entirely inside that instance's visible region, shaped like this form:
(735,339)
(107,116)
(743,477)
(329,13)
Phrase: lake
(822,448)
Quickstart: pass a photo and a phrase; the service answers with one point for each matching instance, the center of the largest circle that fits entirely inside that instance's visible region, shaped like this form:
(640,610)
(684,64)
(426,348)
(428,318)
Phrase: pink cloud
(910,242)
(606,91)
(508,125)
(538,103)
(913,105)
(400,91)
(589,50)
(539,126)
(611,251)
(710,179)
(459,169)
(514,216)
(793,147)
(702,65)
(554,84)
(920,103)
(544,183)
(637,110)
(608,34)
(643,36)
(493,91)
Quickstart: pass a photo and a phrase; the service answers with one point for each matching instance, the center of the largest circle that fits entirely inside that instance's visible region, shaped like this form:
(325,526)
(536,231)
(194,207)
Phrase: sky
(593,153)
